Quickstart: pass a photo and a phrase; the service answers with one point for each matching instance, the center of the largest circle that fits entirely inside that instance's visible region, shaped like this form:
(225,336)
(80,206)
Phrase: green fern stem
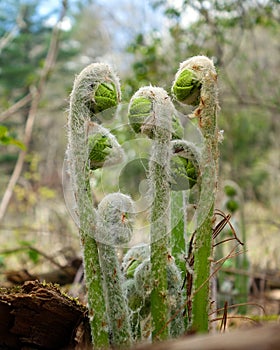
(151,113)
(196,84)
(178,233)
(135,266)
(114,227)
(235,205)
(87,83)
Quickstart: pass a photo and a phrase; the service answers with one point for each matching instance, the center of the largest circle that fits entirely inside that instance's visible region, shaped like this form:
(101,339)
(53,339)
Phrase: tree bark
(38,316)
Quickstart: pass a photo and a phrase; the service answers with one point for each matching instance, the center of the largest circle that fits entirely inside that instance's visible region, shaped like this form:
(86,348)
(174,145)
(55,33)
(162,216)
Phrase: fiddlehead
(86,98)
(150,112)
(114,227)
(196,83)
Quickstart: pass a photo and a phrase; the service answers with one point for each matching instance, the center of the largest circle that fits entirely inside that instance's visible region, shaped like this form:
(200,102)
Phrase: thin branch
(15,107)
(230,255)
(8,37)
(237,305)
(224,318)
(36,96)
(30,247)
(239,317)
(247,100)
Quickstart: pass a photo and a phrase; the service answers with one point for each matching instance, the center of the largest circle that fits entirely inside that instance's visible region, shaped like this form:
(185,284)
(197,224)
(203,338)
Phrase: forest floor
(41,315)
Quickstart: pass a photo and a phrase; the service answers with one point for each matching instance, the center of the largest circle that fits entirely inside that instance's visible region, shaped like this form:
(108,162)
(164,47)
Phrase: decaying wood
(257,338)
(39,316)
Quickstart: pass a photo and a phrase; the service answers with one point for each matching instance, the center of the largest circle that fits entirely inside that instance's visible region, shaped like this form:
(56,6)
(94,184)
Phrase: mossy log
(39,316)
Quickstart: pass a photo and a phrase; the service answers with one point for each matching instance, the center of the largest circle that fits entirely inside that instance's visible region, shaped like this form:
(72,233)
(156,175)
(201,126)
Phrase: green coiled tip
(232,205)
(233,200)
(186,88)
(104,97)
(115,219)
(133,258)
(183,173)
(230,191)
(131,268)
(100,147)
(140,109)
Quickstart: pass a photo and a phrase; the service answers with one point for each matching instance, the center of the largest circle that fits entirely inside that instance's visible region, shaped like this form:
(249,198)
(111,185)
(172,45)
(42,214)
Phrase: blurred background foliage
(144,41)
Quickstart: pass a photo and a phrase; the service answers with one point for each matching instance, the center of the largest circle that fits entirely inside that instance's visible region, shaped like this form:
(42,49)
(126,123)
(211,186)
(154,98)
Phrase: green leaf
(17,143)
(3,131)
(172,13)
(25,243)
(6,139)
(33,255)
